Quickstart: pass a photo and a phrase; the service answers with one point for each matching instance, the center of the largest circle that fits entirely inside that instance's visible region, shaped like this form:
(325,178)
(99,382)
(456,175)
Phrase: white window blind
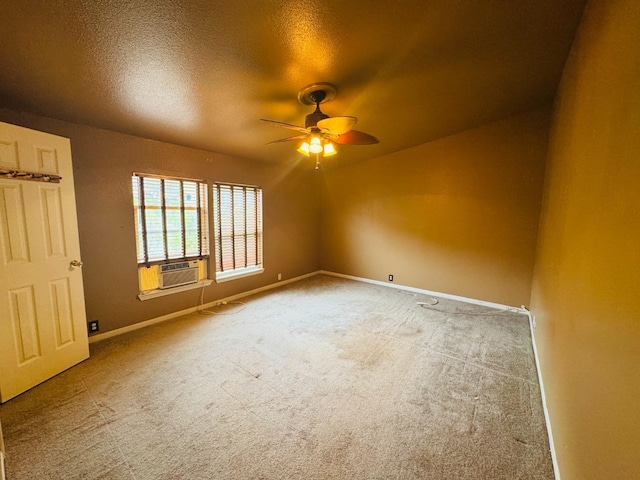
(170,217)
(238,227)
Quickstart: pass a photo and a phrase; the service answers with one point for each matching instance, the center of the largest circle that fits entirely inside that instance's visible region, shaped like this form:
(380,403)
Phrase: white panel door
(43,327)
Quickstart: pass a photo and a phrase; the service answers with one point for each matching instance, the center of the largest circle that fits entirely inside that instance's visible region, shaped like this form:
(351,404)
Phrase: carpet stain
(339,449)
(368,351)
(409,330)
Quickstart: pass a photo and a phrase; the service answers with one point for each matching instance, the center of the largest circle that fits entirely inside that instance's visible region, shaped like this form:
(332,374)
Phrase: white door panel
(42,312)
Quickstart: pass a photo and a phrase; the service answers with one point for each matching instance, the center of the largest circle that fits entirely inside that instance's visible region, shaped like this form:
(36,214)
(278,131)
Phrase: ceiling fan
(321,131)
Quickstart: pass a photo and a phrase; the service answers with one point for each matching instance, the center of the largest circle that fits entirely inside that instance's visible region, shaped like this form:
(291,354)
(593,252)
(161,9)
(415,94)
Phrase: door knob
(76,263)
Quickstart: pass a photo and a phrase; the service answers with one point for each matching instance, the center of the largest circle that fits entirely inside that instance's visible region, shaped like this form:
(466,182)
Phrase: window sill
(239,273)
(148,295)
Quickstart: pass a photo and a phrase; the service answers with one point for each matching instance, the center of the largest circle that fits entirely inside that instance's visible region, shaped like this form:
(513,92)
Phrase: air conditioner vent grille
(179,273)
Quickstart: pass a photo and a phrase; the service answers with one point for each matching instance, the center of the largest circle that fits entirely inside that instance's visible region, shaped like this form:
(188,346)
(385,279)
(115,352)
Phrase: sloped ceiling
(202,73)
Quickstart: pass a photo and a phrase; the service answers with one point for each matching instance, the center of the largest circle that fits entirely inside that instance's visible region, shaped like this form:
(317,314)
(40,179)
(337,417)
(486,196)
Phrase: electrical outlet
(391,278)
(94,326)
(279,276)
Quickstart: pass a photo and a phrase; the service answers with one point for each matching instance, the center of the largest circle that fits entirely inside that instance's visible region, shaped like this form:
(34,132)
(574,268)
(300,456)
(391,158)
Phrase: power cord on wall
(434,301)
(202,311)
(490,313)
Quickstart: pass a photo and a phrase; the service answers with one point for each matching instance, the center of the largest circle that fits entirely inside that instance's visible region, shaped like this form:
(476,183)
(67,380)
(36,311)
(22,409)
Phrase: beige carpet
(322,379)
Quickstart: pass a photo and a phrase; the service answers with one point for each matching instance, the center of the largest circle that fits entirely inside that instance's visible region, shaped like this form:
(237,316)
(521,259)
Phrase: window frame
(141,227)
(252,261)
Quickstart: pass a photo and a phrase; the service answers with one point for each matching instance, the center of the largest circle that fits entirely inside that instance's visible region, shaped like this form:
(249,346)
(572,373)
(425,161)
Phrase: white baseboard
(473,301)
(180,313)
(2,477)
(554,458)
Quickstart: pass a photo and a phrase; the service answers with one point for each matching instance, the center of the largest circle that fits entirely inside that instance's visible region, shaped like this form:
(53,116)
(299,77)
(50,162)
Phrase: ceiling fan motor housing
(316,93)
(311,120)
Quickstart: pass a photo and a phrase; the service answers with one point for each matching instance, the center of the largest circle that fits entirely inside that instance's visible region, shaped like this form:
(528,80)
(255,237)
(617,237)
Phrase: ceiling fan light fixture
(329,149)
(315,145)
(304,148)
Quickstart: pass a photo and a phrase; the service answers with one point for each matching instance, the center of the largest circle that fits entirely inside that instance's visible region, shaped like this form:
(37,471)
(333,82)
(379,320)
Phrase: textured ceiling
(202,73)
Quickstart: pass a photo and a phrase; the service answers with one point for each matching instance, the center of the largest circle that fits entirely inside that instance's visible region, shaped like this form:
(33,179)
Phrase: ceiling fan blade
(286,125)
(288,139)
(354,137)
(337,125)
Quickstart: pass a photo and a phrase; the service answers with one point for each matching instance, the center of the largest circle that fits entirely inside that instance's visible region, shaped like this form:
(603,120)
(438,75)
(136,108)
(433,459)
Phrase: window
(170,219)
(238,230)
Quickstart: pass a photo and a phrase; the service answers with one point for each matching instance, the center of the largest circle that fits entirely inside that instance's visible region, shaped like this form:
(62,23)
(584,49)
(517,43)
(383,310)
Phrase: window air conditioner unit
(180,273)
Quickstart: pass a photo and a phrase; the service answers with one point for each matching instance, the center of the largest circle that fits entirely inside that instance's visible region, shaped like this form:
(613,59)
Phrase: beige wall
(587,277)
(103,163)
(458,215)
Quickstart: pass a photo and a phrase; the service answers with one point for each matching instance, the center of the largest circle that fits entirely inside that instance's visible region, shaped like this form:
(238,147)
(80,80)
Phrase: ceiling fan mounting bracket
(317,93)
